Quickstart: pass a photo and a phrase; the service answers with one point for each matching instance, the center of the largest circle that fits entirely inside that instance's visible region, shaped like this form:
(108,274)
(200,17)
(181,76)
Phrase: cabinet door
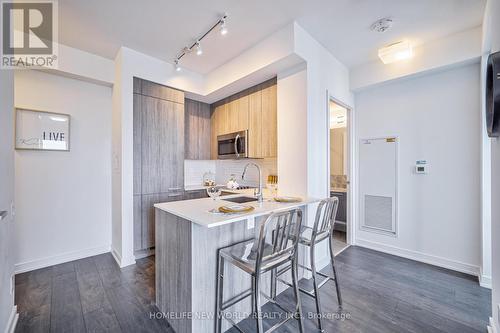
(162,168)
(150,140)
(137,85)
(137,142)
(148,220)
(237,113)
(137,223)
(198,194)
(219,124)
(197,130)
(172,147)
(148,215)
(224,124)
(158,91)
(269,121)
(255,124)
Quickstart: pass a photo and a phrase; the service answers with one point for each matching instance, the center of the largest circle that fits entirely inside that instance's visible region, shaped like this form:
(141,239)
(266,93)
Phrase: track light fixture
(221,23)
(199,51)
(223,28)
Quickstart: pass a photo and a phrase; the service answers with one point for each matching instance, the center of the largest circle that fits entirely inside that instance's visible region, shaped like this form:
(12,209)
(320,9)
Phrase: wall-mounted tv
(493,95)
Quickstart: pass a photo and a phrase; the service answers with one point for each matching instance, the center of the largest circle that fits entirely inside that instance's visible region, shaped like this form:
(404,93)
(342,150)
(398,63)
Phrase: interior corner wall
(7,240)
(64,198)
(292,132)
(437,118)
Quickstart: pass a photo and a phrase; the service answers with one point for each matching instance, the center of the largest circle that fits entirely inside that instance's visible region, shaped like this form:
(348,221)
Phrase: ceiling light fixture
(382,25)
(199,51)
(223,28)
(395,52)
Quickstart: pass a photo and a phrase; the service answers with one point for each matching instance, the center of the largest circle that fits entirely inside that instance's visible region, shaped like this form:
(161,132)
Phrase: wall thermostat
(421,167)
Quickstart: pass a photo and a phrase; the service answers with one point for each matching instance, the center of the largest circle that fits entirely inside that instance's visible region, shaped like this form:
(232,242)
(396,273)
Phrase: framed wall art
(40,130)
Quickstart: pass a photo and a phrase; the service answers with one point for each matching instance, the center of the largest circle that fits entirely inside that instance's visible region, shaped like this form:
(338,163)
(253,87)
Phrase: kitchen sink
(241,199)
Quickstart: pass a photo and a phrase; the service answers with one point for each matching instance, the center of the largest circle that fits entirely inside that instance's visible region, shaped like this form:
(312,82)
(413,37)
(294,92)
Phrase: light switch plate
(12,209)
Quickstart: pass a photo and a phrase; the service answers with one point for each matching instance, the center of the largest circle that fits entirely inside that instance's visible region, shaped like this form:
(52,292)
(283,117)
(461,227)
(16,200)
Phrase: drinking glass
(214,192)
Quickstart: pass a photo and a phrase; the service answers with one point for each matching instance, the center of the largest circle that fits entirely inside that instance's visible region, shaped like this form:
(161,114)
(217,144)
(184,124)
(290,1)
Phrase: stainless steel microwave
(232,145)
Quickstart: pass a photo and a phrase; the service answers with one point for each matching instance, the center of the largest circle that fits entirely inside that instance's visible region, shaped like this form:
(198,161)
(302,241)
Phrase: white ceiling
(160,28)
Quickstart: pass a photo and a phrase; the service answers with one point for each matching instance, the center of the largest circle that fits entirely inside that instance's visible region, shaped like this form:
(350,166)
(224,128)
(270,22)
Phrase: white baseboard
(484,280)
(59,259)
(422,257)
(491,327)
(121,261)
(11,324)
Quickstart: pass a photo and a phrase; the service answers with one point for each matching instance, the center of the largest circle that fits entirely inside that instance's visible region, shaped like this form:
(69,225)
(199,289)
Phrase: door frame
(350,214)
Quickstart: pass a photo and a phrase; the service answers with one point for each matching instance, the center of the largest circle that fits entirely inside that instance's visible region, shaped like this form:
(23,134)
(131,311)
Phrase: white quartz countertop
(198,210)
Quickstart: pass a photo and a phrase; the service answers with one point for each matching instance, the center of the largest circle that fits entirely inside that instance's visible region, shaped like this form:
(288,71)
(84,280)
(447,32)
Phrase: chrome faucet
(257,193)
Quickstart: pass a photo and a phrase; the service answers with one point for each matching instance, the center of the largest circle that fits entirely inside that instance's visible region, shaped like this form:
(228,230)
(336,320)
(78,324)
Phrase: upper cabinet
(255,110)
(197,130)
(152,89)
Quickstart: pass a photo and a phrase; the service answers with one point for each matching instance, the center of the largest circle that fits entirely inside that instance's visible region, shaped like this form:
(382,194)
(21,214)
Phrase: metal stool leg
(220,288)
(273,284)
(337,287)
(296,293)
(258,308)
(252,297)
(315,284)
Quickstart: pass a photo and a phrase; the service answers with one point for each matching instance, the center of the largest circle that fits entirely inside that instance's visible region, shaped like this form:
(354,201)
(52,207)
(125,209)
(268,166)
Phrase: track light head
(177,67)
(199,50)
(223,28)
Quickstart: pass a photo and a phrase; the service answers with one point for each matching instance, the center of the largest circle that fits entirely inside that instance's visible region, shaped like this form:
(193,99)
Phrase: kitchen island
(188,236)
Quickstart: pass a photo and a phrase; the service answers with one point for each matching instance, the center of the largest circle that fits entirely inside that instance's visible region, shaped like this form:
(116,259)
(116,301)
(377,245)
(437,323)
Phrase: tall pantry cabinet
(158,154)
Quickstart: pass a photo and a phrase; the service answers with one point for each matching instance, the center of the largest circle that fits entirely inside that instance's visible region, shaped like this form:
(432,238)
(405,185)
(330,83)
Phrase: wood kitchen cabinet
(255,110)
(162,141)
(158,156)
(269,120)
(197,130)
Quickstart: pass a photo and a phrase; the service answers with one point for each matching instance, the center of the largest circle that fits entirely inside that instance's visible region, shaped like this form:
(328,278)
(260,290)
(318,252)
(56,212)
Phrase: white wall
(325,74)
(292,132)
(7,314)
(437,118)
(64,198)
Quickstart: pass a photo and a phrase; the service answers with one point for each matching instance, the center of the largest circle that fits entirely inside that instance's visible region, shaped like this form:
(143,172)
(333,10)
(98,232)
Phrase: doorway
(338,161)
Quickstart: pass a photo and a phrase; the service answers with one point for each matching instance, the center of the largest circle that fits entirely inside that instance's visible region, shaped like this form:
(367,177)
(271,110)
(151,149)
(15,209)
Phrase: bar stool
(322,230)
(277,245)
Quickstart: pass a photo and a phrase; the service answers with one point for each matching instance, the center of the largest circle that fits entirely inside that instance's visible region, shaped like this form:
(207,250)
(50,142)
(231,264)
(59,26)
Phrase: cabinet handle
(174,189)
(175,194)
(3,214)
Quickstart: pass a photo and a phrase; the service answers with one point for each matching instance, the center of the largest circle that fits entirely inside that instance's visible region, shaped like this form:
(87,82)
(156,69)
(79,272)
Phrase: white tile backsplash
(223,169)
(195,169)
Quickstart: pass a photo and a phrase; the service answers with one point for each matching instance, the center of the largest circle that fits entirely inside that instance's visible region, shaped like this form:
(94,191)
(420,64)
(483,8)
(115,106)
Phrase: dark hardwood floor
(381,293)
